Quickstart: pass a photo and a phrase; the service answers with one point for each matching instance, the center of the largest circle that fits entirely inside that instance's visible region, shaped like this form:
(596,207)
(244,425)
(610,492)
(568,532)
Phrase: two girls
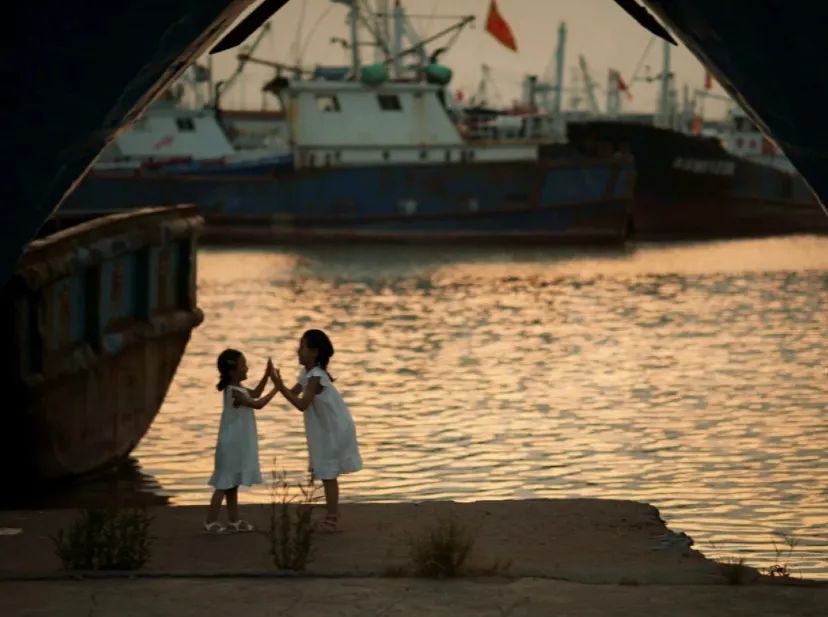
(329,428)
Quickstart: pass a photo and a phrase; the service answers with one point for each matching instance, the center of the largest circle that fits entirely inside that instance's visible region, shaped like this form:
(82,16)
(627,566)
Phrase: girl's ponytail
(227,361)
(318,340)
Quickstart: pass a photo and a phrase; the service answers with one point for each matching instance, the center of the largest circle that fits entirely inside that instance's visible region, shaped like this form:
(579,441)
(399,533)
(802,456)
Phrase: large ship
(371,155)
(768,56)
(695,178)
(690,186)
(379,162)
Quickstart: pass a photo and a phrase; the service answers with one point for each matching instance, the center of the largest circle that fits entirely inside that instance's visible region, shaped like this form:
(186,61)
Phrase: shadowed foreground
(572,557)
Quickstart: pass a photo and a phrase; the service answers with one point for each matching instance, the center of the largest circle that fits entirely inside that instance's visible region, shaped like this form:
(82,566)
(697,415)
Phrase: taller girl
(329,427)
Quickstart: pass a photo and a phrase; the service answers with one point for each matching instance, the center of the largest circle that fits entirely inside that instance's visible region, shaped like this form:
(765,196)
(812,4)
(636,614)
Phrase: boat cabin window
(327,102)
(185,124)
(389,102)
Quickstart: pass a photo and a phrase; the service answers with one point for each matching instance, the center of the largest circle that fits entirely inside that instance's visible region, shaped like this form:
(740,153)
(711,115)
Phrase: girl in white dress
(237,448)
(329,427)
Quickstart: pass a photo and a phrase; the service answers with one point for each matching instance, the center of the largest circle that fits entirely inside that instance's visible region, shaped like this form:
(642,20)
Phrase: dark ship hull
(769,56)
(74,74)
(690,187)
(97,316)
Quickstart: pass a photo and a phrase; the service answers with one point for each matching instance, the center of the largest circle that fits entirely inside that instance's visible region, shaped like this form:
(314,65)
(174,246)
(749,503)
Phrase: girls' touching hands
(276,377)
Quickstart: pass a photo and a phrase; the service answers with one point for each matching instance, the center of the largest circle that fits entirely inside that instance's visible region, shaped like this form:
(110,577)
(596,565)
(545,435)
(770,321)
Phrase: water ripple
(692,377)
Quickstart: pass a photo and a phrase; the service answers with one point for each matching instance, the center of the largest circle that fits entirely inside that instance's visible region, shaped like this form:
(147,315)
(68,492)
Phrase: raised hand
(276,376)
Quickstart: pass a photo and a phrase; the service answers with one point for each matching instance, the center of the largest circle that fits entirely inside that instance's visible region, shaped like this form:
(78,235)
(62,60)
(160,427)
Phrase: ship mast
(664,103)
(559,67)
(590,86)
(354,23)
(396,42)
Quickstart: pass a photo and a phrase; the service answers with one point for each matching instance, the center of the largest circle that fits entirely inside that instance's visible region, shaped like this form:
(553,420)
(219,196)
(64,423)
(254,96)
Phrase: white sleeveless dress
(330,430)
(237,449)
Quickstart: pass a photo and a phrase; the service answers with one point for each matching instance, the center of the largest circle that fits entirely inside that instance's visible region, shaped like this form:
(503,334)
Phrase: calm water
(693,377)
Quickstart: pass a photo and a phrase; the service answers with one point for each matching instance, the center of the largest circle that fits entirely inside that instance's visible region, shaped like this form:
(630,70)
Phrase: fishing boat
(692,182)
(768,57)
(694,179)
(690,186)
(369,154)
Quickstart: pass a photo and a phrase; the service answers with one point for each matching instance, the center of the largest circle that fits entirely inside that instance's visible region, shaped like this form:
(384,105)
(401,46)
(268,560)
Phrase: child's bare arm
(304,401)
(293,395)
(296,390)
(257,391)
(246,400)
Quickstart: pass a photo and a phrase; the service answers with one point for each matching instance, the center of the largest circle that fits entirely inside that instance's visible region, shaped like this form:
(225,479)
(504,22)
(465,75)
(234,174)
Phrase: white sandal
(214,528)
(240,526)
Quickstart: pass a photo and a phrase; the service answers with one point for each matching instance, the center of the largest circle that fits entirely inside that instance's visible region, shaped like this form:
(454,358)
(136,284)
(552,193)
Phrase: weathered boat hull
(98,317)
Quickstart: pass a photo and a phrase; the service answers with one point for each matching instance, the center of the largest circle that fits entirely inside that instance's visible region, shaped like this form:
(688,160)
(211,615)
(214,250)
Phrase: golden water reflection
(690,376)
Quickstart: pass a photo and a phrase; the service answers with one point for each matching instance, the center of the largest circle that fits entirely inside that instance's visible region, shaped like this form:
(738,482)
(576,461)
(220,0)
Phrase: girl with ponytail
(329,427)
(237,447)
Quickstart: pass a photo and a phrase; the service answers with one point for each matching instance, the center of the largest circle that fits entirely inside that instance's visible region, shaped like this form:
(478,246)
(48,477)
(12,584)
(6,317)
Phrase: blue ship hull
(577,199)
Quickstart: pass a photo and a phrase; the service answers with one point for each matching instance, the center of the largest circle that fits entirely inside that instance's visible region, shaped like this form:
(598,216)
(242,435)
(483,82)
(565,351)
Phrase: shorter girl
(329,428)
(237,450)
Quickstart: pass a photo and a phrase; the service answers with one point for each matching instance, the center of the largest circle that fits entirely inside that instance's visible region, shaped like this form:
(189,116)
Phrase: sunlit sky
(598,29)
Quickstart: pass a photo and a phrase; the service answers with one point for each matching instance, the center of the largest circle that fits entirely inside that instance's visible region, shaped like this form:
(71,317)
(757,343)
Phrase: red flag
(708,80)
(622,85)
(498,28)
